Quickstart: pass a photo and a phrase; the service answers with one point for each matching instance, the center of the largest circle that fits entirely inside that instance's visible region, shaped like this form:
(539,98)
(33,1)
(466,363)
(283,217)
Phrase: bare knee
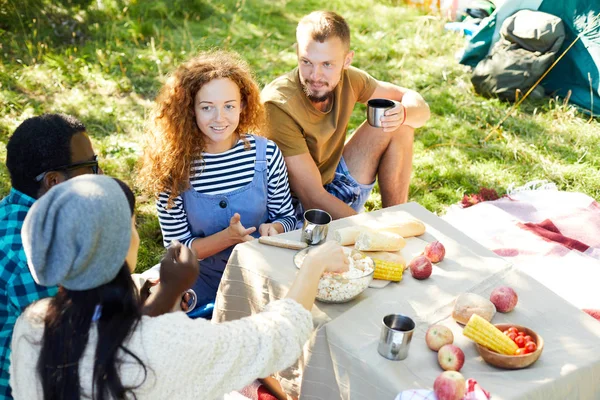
(403,137)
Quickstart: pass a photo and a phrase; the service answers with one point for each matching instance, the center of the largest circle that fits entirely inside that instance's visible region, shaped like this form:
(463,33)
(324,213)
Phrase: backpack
(529,43)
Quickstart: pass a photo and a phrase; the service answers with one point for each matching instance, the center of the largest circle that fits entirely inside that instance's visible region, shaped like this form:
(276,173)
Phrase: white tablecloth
(341,359)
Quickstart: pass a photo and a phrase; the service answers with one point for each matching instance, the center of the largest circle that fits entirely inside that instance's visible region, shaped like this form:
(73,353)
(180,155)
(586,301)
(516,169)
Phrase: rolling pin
(280,242)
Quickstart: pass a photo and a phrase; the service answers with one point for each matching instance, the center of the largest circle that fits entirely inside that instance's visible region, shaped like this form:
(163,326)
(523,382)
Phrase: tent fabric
(578,72)
(528,46)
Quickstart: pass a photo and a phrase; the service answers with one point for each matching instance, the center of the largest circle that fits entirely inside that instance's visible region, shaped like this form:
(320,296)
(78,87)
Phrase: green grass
(105,62)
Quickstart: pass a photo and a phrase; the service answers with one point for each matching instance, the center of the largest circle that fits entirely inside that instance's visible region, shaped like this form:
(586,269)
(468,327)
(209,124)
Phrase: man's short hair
(322,25)
(39,144)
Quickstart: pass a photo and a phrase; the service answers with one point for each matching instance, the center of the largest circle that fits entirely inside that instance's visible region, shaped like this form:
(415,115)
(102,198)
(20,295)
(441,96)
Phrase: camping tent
(579,70)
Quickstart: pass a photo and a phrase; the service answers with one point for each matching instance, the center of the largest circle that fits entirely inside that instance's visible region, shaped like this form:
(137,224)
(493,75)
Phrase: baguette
(347,236)
(405,228)
(379,241)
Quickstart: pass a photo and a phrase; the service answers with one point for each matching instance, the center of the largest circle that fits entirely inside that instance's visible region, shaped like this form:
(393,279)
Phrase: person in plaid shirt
(43,151)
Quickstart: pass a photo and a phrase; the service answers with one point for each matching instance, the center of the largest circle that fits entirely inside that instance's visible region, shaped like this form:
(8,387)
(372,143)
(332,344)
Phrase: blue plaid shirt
(17,287)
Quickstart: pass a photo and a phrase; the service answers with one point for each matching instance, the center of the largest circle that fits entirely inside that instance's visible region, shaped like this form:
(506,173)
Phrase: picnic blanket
(553,236)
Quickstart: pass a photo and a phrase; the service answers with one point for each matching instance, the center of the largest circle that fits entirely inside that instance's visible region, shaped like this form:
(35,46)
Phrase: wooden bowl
(512,362)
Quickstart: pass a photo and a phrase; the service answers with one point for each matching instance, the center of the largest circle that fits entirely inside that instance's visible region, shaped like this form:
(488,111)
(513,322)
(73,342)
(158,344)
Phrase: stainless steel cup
(396,333)
(376,109)
(192,301)
(316,225)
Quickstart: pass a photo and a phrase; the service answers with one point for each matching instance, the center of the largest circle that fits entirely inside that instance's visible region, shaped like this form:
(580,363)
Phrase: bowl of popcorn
(345,286)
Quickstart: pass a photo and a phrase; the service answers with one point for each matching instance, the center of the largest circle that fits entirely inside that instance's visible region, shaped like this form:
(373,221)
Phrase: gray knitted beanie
(77,234)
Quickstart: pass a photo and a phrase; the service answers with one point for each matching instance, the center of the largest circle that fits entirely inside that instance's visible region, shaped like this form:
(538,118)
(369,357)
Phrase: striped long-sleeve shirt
(223,173)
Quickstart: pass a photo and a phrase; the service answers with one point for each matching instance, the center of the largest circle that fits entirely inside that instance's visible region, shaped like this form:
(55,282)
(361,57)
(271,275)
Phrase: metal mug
(396,334)
(177,307)
(316,225)
(191,302)
(376,109)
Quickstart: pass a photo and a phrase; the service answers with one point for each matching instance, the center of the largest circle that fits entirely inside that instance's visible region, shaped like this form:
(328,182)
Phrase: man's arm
(415,107)
(305,181)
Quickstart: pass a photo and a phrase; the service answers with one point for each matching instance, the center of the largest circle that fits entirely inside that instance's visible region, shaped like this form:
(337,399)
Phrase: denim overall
(209,214)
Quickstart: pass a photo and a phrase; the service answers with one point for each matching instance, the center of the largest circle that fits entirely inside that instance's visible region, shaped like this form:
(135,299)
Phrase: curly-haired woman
(217,184)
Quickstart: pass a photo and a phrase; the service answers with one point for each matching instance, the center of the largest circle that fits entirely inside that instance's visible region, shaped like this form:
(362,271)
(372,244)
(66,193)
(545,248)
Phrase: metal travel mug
(316,225)
(376,109)
(396,333)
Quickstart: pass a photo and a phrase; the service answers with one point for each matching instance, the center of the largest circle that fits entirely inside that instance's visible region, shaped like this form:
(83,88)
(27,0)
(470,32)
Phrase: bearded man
(308,111)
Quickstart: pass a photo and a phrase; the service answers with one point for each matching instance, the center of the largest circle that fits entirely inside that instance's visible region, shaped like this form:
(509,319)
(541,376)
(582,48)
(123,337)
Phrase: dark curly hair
(39,144)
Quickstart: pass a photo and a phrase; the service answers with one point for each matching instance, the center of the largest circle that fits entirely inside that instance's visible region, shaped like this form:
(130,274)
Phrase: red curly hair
(174,140)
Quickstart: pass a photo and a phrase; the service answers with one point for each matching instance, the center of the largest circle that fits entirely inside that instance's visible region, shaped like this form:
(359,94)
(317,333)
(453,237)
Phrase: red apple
(435,251)
(451,357)
(420,267)
(437,336)
(450,385)
(504,298)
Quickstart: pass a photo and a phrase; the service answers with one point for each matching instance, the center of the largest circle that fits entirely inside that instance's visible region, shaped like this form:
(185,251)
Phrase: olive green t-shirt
(297,127)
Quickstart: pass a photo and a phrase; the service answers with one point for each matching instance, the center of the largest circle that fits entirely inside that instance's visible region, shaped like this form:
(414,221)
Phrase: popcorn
(342,287)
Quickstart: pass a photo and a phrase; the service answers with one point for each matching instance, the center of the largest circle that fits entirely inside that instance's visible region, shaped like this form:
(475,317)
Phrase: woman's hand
(330,256)
(237,232)
(270,229)
(178,271)
(179,268)
(146,289)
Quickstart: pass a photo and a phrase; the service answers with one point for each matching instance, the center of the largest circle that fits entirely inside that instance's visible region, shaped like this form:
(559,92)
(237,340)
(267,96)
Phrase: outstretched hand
(330,255)
(237,232)
(179,268)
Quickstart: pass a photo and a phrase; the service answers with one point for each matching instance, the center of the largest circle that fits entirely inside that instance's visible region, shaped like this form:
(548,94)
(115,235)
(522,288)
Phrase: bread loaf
(407,228)
(379,241)
(468,304)
(347,236)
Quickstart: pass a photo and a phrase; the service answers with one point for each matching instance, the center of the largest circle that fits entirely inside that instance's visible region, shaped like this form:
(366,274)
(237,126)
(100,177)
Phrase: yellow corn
(486,334)
(387,270)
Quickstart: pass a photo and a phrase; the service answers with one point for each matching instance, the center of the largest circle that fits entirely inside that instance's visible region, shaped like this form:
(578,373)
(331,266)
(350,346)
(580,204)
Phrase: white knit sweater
(185,359)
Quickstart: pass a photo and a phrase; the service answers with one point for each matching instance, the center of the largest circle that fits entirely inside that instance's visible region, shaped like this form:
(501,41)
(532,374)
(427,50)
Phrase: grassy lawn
(104,64)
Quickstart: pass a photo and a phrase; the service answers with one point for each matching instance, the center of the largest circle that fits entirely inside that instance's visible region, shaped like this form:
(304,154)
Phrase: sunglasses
(93,164)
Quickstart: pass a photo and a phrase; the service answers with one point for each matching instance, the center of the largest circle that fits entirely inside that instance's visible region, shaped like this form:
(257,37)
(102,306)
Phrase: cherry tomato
(530,347)
(528,338)
(513,329)
(519,352)
(512,335)
(520,341)
(520,333)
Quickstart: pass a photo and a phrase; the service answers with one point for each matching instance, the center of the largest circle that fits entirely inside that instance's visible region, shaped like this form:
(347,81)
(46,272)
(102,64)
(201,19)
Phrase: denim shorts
(345,188)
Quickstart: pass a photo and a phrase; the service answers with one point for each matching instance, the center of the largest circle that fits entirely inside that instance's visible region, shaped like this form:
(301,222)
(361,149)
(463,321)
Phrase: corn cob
(486,334)
(388,270)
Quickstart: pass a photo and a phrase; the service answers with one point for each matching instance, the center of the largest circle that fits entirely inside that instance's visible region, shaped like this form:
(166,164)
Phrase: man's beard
(314,98)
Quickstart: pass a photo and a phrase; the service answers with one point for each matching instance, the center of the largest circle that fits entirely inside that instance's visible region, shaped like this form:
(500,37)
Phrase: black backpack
(529,43)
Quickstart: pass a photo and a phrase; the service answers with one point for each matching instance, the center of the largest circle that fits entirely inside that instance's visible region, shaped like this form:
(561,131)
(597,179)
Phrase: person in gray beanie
(71,220)
(81,237)
(91,340)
